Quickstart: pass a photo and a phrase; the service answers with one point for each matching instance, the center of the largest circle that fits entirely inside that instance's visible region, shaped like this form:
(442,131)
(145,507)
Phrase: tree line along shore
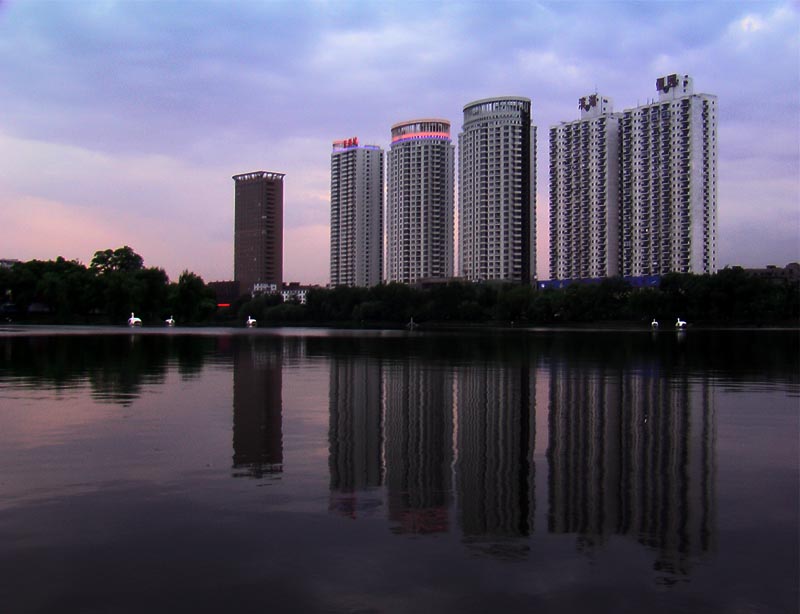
(117,283)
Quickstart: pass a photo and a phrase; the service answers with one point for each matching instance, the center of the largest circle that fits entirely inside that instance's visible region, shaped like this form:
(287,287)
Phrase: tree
(123,260)
(190,299)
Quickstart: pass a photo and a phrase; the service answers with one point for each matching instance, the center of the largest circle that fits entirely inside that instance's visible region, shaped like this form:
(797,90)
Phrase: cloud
(64,200)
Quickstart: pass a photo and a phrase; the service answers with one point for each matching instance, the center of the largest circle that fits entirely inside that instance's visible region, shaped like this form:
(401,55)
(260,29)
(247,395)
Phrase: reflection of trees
(257,407)
(631,453)
(115,366)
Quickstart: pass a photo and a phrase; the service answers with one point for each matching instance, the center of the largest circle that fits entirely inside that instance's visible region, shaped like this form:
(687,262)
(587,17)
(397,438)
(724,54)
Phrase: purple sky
(123,122)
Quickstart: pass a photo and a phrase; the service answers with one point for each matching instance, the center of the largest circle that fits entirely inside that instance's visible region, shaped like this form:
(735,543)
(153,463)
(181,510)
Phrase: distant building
(420,201)
(426,283)
(668,192)
(584,193)
(292,291)
(7,263)
(791,272)
(226,292)
(295,292)
(356,214)
(497,191)
(264,288)
(258,229)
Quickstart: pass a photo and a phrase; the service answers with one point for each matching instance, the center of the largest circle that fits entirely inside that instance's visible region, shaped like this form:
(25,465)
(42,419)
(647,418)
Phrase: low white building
(294,292)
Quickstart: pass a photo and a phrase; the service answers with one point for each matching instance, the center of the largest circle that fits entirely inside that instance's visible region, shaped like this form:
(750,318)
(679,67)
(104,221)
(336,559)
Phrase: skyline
(123,122)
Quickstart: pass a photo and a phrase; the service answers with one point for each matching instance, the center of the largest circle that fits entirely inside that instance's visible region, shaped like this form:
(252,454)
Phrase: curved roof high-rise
(420,201)
(497,190)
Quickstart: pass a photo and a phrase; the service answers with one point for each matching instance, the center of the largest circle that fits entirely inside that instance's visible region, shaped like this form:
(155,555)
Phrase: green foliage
(190,300)
(117,283)
(143,291)
(731,296)
(257,307)
(123,260)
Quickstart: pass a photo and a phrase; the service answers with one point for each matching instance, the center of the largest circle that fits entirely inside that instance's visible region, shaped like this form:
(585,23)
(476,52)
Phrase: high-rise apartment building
(497,191)
(584,193)
(419,227)
(356,214)
(635,193)
(668,191)
(258,230)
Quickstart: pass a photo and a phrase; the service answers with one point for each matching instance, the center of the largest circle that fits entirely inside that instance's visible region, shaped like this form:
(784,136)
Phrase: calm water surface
(330,471)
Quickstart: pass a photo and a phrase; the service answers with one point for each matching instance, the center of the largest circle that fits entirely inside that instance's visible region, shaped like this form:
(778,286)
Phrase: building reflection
(418,431)
(257,407)
(410,427)
(632,453)
(494,470)
(355,434)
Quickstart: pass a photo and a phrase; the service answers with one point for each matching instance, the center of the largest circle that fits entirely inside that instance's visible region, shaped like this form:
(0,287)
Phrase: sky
(122,123)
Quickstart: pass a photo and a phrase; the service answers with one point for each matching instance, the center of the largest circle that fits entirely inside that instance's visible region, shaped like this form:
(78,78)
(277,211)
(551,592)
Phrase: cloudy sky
(123,122)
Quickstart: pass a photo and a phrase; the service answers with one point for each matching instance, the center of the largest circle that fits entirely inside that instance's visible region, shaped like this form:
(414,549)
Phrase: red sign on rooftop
(345,143)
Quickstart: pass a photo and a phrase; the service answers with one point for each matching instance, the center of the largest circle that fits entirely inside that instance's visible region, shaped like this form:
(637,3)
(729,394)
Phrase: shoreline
(609,326)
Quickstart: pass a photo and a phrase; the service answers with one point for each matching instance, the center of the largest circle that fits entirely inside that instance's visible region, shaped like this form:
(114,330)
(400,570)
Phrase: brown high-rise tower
(258,230)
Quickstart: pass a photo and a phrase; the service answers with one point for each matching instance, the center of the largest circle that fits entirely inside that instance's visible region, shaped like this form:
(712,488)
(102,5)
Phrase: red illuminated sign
(344,144)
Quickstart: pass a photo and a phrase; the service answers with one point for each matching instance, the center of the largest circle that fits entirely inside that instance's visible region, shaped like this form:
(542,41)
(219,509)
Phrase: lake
(307,470)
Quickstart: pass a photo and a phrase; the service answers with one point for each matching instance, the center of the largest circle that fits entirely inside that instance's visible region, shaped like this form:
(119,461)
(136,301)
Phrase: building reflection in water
(393,424)
(418,430)
(494,470)
(257,407)
(632,453)
(355,434)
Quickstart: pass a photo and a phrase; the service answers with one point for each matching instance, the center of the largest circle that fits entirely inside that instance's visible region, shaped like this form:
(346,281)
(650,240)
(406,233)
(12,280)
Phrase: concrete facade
(584,193)
(668,191)
(356,214)
(420,201)
(258,229)
(497,191)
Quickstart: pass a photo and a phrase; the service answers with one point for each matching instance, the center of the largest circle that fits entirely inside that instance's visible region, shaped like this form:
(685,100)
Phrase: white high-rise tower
(419,228)
(668,192)
(356,214)
(497,191)
(584,193)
